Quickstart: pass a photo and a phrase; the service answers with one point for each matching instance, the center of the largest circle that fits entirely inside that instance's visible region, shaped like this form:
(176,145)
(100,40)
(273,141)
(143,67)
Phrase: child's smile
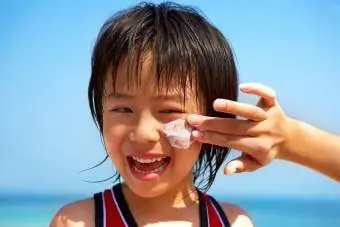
(148,167)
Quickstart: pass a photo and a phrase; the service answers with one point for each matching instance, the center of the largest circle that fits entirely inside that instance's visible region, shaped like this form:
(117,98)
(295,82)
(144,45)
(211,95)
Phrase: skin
(80,214)
(266,133)
(132,125)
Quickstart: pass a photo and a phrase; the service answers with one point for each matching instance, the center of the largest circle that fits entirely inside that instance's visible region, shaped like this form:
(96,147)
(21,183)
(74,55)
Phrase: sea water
(266,212)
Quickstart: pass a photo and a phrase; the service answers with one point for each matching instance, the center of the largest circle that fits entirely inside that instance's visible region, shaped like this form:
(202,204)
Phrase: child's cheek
(178,134)
(113,133)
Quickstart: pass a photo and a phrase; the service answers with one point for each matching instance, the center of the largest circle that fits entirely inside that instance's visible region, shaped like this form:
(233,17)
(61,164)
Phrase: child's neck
(182,196)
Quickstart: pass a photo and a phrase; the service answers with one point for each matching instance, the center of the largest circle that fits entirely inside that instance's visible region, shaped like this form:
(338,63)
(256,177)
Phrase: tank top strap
(211,213)
(111,209)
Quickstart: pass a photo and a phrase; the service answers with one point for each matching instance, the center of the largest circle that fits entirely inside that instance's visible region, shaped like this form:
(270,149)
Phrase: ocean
(265,212)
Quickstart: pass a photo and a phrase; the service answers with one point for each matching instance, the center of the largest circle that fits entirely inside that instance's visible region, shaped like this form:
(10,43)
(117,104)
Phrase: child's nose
(146,131)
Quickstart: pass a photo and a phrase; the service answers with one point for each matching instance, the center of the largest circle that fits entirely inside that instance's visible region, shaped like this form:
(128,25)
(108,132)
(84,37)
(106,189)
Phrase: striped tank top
(111,210)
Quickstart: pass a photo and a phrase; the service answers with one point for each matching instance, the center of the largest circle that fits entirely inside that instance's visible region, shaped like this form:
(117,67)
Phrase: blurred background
(47,135)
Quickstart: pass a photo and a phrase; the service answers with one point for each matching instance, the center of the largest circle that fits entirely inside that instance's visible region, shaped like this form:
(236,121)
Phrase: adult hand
(260,135)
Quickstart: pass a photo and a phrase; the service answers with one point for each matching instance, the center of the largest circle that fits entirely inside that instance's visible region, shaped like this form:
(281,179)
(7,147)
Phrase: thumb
(245,163)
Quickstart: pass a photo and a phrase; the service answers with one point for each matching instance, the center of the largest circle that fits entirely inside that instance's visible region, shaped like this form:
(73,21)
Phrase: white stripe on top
(104,210)
(218,213)
(118,208)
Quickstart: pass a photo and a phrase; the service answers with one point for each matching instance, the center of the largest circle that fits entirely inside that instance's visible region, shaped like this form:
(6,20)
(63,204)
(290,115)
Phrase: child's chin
(149,191)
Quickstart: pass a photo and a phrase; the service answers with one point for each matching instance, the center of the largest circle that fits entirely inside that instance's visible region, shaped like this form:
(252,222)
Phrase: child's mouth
(148,168)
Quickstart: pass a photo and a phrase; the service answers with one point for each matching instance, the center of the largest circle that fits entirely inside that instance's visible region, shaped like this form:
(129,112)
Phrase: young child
(153,64)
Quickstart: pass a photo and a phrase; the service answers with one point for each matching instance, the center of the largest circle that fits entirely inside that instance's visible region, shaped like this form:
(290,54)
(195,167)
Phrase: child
(153,64)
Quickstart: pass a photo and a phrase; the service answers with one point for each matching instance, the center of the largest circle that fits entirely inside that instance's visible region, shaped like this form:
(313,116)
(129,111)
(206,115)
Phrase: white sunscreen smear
(178,133)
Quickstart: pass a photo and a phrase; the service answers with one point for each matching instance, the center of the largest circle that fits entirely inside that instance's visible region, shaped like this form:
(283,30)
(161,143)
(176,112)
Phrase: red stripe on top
(213,216)
(112,215)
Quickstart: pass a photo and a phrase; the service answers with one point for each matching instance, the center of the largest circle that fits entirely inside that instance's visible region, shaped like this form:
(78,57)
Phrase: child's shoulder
(237,217)
(76,214)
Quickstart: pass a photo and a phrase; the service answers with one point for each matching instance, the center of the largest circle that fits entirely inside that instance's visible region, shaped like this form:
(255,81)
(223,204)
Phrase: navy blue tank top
(111,210)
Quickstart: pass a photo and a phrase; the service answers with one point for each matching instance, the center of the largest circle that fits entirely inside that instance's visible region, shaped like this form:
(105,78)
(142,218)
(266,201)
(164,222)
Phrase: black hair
(186,48)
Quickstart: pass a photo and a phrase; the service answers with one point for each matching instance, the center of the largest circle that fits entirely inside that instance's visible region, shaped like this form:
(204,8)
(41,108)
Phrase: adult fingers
(224,125)
(253,146)
(245,110)
(267,94)
(244,163)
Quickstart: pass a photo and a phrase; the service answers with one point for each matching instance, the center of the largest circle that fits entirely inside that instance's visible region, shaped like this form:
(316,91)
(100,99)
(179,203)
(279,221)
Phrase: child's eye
(172,111)
(121,110)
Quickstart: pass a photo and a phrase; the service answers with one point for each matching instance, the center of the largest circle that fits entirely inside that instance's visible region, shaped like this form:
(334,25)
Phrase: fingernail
(230,170)
(194,120)
(221,102)
(197,134)
(244,87)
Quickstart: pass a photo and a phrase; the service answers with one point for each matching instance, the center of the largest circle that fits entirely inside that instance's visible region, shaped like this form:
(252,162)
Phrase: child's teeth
(159,169)
(146,160)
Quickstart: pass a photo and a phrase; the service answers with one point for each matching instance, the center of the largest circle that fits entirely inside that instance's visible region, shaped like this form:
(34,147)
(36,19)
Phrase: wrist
(291,133)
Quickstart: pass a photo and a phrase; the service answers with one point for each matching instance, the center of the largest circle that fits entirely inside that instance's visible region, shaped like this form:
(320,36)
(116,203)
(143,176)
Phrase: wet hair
(186,49)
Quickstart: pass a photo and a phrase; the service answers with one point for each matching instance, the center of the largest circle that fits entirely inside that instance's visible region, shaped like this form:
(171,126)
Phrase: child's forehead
(144,75)
(148,82)
(149,87)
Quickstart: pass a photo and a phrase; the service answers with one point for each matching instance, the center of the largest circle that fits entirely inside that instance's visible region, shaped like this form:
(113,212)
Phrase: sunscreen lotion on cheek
(178,133)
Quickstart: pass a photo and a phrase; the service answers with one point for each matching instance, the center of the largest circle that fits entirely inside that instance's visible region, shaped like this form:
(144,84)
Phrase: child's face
(132,128)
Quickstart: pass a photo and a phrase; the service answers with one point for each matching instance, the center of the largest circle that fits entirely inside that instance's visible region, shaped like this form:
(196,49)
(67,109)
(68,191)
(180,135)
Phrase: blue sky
(47,135)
